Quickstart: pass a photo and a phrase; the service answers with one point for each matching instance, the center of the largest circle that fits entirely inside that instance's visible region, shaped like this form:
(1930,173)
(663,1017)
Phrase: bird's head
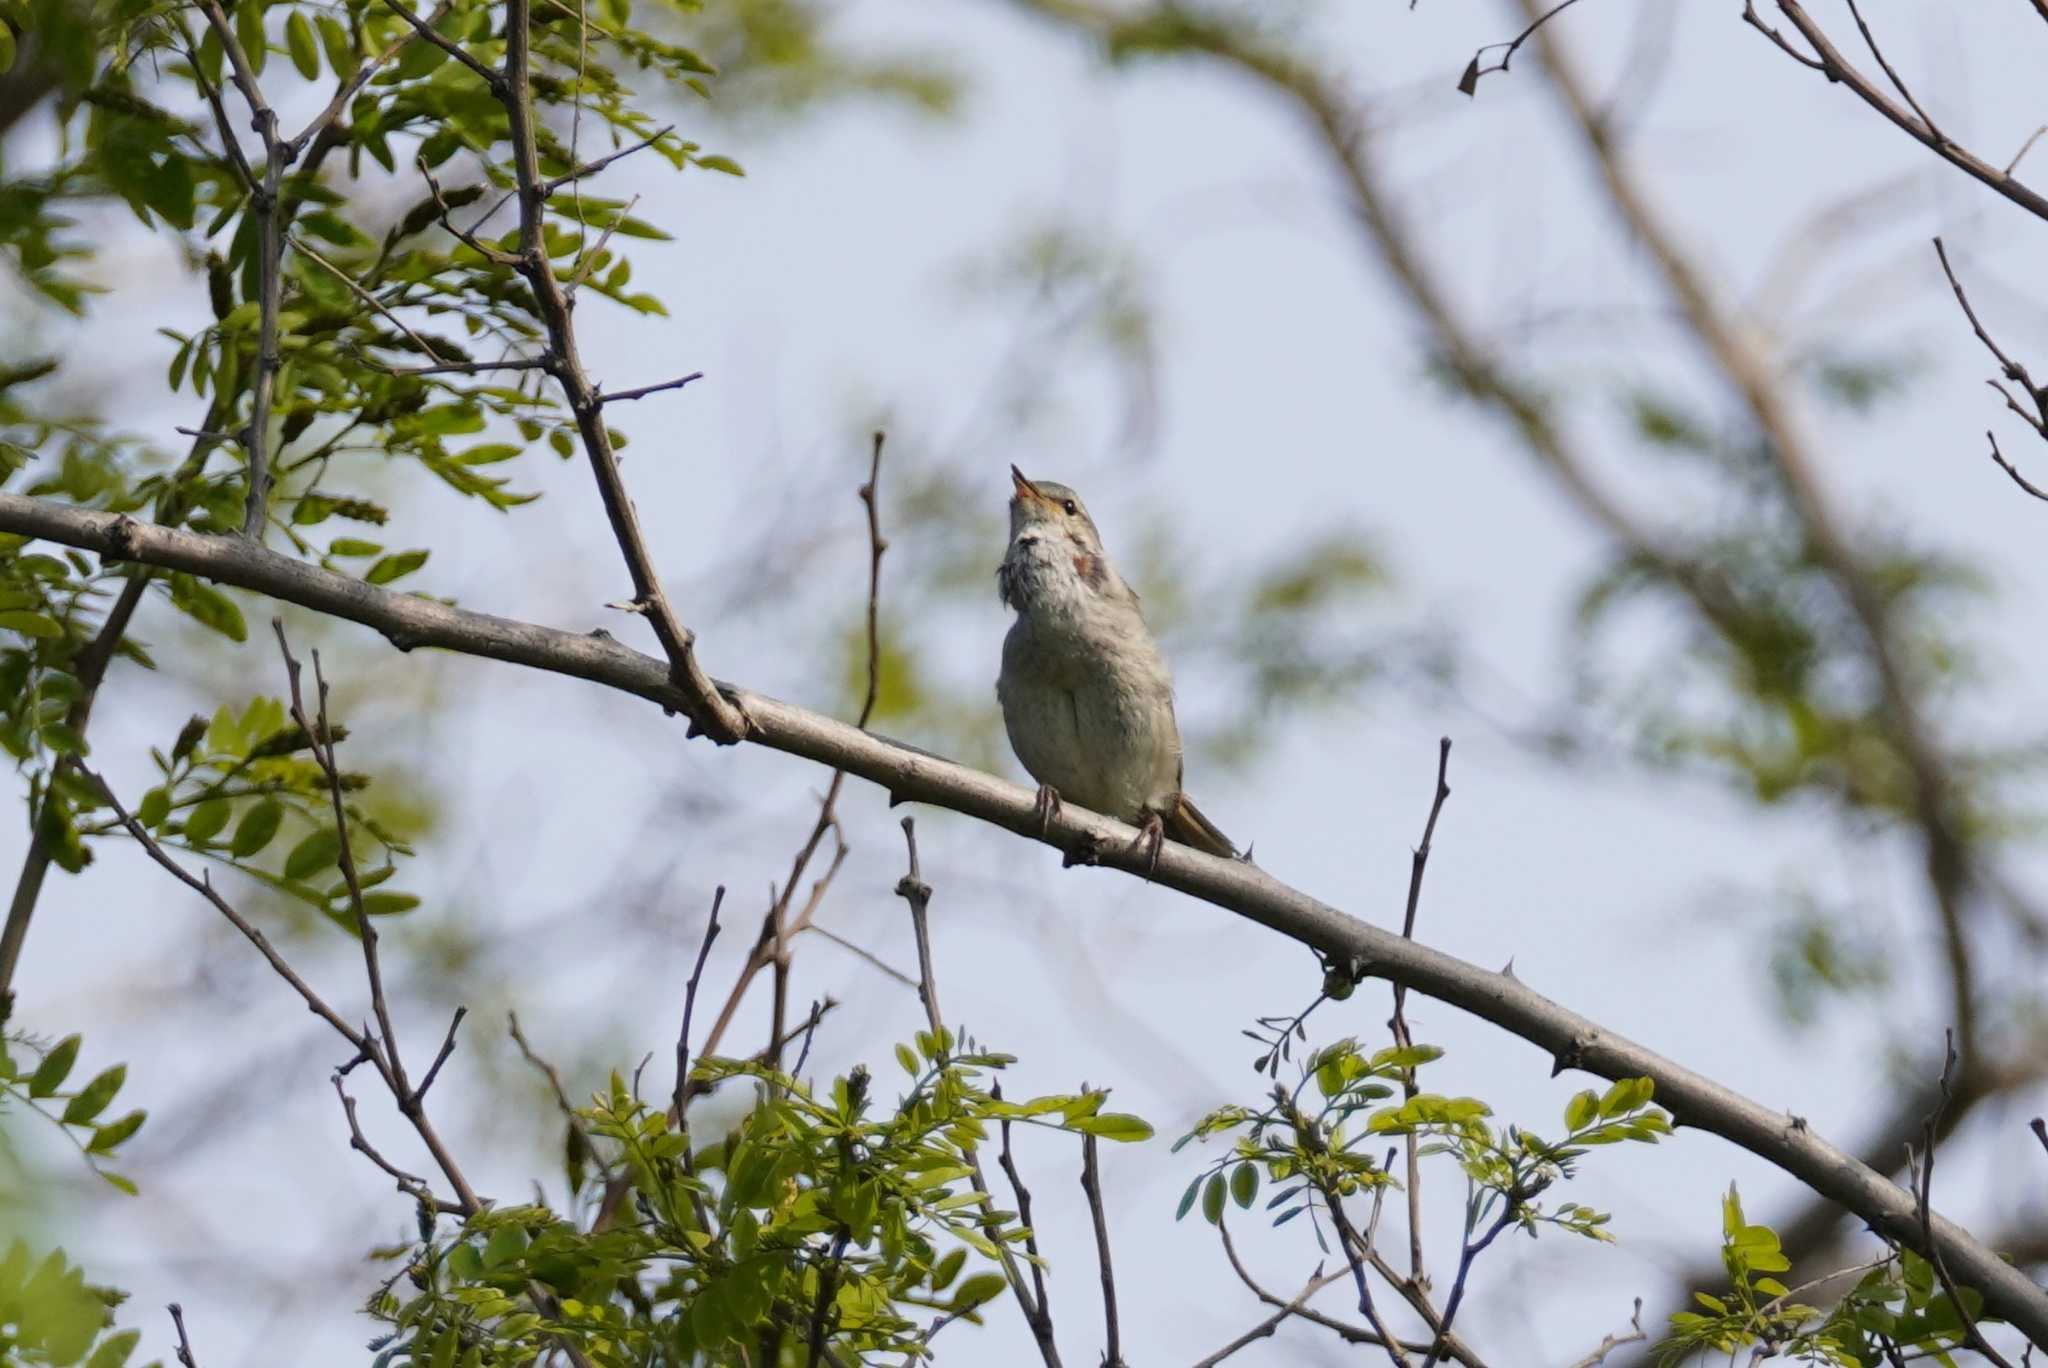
(1050,510)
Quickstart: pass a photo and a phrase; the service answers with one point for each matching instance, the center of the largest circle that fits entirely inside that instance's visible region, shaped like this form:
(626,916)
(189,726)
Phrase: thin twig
(710,711)
(1091,1186)
(1298,1307)
(357,79)
(1037,1307)
(864,953)
(184,1343)
(299,246)
(1610,1343)
(1973,1338)
(711,929)
(422,28)
(419,1094)
(1870,41)
(2011,369)
(1468,82)
(623,395)
(548,187)
(1399,1024)
(1998,458)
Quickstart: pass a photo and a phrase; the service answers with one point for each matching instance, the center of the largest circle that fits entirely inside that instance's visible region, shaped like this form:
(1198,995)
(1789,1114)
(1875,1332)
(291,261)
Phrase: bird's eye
(1071,507)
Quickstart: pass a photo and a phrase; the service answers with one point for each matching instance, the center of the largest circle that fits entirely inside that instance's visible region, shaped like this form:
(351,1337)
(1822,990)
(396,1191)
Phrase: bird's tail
(1186,824)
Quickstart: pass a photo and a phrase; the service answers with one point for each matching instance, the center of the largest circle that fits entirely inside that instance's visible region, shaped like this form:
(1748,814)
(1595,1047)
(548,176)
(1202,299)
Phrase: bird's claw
(1046,808)
(1150,838)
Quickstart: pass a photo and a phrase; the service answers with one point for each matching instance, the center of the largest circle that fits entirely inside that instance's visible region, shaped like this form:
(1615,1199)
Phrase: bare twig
(184,1343)
(1469,81)
(1828,60)
(1973,1338)
(1298,1307)
(1998,458)
(299,245)
(1399,1023)
(510,363)
(1091,1186)
(426,30)
(623,395)
(1471,1251)
(588,169)
(357,79)
(411,1184)
(864,953)
(913,775)
(711,929)
(419,1094)
(1870,41)
(1036,1306)
(710,712)
(2011,369)
(2025,148)
(1609,1343)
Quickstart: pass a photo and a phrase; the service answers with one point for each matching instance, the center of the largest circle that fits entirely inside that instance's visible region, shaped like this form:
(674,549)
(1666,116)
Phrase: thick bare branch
(909,774)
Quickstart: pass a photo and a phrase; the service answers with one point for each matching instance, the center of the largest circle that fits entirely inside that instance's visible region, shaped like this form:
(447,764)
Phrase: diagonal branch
(711,712)
(909,774)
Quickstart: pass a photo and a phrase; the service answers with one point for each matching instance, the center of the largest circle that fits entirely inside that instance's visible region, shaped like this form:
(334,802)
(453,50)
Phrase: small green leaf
(1187,1199)
(37,625)
(208,606)
(388,904)
(1581,1110)
(206,820)
(249,32)
(93,1098)
(115,1348)
(258,825)
(1212,1199)
(947,1269)
(341,49)
(718,163)
(298,39)
(1244,1185)
(1118,1126)
(977,1290)
(317,853)
(352,546)
(908,1060)
(56,1066)
(154,809)
(105,1138)
(392,567)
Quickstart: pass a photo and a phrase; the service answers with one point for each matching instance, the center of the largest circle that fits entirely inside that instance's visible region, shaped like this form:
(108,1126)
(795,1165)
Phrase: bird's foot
(1151,836)
(1046,808)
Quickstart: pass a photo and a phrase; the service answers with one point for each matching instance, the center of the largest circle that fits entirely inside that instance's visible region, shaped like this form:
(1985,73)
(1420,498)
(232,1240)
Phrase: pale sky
(825,288)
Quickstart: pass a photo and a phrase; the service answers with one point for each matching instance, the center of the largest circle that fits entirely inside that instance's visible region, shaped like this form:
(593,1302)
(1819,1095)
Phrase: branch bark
(913,775)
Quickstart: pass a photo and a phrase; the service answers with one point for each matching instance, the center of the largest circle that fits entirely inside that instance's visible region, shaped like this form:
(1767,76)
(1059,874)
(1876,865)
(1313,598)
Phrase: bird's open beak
(1025,489)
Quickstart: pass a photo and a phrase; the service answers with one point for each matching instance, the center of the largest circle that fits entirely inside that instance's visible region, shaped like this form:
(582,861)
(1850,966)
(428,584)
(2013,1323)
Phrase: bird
(1086,696)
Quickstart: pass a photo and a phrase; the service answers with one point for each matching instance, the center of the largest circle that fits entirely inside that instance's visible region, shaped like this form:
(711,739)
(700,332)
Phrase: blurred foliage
(50,1315)
(1895,1312)
(822,1219)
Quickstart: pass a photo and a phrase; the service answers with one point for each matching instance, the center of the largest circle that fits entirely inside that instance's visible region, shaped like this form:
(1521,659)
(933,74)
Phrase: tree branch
(1091,1187)
(909,774)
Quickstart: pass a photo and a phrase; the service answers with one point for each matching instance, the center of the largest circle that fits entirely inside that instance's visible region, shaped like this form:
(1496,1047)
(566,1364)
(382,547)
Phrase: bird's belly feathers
(1093,720)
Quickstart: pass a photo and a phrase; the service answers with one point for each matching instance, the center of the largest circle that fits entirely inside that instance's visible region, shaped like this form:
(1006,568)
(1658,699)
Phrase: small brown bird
(1086,695)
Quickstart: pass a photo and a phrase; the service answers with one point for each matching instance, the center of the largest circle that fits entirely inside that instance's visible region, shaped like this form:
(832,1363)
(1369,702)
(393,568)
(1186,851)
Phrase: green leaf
(298,39)
(1118,1126)
(249,32)
(1212,1199)
(388,904)
(56,1066)
(341,49)
(208,606)
(977,1290)
(258,825)
(947,1269)
(317,853)
(908,1060)
(37,625)
(1187,1199)
(155,808)
(1244,1185)
(1581,1110)
(352,546)
(206,820)
(93,1098)
(718,163)
(115,1348)
(393,567)
(105,1138)
(6,49)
